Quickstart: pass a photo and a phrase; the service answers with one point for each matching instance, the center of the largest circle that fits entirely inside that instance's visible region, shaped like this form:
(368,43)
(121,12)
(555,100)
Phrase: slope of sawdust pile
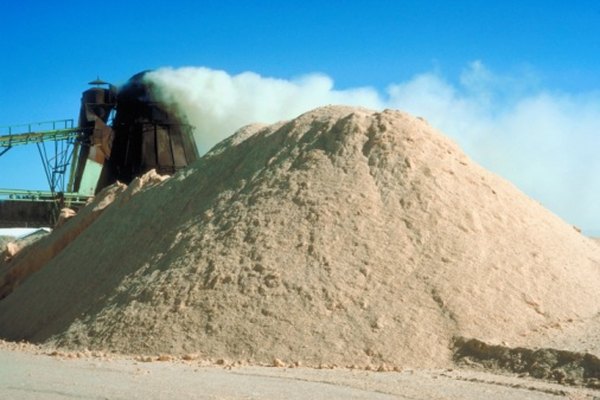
(4,240)
(343,237)
(10,246)
(27,256)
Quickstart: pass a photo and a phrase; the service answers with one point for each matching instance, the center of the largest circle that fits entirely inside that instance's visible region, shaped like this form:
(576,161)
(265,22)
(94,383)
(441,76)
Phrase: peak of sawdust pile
(344,237)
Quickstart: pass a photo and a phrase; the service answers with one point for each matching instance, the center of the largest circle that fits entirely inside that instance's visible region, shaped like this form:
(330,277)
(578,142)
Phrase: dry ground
(25,375)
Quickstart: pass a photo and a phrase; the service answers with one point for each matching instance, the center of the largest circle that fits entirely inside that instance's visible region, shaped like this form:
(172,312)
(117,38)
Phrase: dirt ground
(25,376)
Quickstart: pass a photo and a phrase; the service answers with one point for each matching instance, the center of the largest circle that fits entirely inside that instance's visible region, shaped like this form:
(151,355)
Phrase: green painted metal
(59,158)
(41,195)
(56,163)
(74,162)
(89,179)
(37,126)
(11,140)
(38,132)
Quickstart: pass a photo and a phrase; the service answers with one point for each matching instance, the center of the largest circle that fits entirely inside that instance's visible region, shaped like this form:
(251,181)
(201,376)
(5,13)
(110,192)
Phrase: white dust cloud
(217,104)
(544,142)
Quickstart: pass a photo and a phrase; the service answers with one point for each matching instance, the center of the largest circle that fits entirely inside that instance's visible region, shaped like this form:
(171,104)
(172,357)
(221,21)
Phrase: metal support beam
(11,140)
(41,195)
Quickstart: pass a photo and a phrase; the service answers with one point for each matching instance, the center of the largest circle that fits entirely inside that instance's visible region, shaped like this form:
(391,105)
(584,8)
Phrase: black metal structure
(148,135)
(144,134)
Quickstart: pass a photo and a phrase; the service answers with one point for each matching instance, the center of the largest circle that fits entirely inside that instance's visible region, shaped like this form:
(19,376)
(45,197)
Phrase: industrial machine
(122,133)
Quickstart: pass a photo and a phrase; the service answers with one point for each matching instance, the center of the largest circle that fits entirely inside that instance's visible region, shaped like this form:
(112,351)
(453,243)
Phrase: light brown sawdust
(4,240)
(28,258)
(342,237)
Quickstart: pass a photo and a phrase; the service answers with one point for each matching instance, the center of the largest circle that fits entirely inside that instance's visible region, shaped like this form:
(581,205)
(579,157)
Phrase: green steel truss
(8,141)
(43,196)
(58,145)
(18,135)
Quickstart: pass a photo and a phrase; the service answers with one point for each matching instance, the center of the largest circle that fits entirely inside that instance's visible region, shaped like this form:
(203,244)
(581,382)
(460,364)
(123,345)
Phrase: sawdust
(10,246)
(4,240)
(26,258)
(64,215)
(566,367)
(344,237)
(10,250)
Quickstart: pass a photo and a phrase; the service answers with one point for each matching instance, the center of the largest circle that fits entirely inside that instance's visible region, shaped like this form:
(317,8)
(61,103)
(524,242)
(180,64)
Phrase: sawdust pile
(26,257)
(344,237)
(6,243)
(566,367)
(4,240)
(10,246)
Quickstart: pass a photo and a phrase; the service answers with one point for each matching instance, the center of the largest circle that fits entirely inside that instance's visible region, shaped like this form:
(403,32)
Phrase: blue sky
(511,56)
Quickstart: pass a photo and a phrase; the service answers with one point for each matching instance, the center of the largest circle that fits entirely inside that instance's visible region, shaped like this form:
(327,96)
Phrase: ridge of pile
(345,236)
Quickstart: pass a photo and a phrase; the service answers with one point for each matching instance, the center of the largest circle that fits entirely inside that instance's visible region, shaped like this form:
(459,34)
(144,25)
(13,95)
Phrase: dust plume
(543,141)
(217,104)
